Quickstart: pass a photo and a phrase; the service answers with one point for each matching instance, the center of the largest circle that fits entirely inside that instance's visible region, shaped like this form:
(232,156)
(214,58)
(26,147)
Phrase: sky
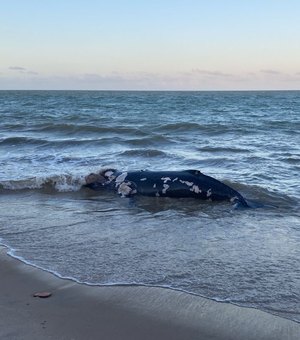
(150,45)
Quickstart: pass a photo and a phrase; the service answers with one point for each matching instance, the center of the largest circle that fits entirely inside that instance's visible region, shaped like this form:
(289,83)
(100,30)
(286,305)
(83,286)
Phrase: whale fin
(239,202)
(193,172)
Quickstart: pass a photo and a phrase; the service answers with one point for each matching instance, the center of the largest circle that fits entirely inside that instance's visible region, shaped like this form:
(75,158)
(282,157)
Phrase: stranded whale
(186,183)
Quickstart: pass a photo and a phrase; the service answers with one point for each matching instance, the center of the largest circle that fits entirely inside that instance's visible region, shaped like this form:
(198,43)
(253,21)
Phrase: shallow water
(250,140)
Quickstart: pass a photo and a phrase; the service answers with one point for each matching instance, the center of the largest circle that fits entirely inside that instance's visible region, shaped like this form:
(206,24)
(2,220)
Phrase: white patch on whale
(166,187)
(121,178)
(189,184)
(154,186)
(143,179)
(196,189)
(124,189)
(209,193)
(175,179)
(157,194)
(166,179)
(109,175)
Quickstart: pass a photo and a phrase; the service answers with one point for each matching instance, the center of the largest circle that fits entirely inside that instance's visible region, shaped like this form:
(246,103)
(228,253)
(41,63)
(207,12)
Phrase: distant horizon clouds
(22,70)
(158,45)
(191,81)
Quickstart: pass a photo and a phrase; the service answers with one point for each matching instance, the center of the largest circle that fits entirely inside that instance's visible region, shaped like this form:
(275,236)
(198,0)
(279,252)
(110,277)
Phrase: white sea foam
(61,183)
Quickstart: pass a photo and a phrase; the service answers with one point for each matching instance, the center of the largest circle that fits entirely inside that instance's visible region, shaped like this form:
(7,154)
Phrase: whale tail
(240,202)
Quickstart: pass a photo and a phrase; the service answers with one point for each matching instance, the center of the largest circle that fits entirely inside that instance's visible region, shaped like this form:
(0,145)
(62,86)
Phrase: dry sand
(76,311)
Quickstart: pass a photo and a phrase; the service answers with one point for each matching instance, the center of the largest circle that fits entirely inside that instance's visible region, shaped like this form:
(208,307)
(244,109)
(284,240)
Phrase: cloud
(126,80)
(23,70)
(32,73)
(209,73)
(271,72)
(189,80)
(17,68)
(194,79)
(277,76)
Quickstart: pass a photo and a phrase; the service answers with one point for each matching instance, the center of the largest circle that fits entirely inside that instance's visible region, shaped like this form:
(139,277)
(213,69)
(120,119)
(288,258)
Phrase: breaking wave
(58,183)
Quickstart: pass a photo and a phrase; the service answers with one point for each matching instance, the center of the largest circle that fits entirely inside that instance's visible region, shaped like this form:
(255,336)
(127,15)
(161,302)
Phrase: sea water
(49,141)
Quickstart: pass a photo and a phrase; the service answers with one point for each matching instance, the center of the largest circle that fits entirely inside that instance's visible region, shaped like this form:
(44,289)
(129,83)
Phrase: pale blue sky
(155,45)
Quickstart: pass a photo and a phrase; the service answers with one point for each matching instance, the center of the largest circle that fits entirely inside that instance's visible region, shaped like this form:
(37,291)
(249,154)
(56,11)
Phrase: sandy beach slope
(76,311)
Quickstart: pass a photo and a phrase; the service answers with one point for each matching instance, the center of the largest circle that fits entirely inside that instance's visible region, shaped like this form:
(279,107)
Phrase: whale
(176,184)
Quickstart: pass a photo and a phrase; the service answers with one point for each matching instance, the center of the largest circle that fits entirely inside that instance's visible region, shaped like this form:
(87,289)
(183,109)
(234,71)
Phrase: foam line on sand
(77,311)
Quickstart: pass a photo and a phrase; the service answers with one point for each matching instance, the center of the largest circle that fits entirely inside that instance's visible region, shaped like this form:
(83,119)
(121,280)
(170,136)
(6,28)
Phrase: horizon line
(151,90)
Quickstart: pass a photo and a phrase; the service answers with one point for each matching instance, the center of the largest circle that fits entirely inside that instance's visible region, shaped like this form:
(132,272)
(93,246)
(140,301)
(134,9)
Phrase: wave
(149,140)
(143,153)
(65,142)
(38,144)
(21,141)
(87,128)
(213,149)
(58,183)
(292,159)
(207,128)
(181,126)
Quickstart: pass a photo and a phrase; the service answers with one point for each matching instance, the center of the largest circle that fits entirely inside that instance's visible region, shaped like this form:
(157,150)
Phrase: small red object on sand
(42,294)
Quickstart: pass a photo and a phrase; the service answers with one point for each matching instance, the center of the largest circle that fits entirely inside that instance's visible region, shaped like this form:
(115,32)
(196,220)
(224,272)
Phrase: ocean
(50,140)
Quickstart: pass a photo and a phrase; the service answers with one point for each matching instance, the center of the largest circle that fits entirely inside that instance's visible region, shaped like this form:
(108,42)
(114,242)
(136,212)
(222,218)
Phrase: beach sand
(76,311)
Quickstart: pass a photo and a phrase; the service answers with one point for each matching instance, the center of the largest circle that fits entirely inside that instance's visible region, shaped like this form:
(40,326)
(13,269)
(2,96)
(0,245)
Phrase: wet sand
(76,311)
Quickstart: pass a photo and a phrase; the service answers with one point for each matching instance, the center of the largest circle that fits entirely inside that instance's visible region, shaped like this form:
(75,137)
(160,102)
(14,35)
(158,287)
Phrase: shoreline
(79,311)
(9,253)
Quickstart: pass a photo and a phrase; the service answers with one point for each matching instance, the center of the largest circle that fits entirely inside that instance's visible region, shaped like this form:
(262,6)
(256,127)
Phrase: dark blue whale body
(187,183)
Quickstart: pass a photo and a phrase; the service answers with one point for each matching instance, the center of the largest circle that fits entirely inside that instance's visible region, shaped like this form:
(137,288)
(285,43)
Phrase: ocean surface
(50,140)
